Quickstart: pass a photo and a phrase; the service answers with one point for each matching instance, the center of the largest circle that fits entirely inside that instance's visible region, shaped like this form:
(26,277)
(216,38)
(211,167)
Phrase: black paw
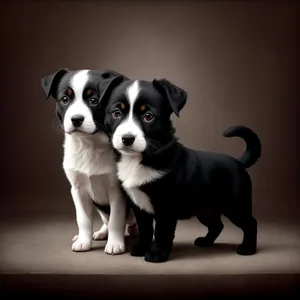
(139,250)
(202,242)
(157,255)
(246,249)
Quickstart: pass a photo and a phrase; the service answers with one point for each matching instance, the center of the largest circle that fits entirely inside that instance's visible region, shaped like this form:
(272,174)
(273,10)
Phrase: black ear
(106,86)
(176,96)
(109,74)
(50,82)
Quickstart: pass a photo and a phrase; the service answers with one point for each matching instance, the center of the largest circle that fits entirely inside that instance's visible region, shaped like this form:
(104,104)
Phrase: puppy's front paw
(157,254)
(243,249)
(80,245)
(115,248)
(139,249)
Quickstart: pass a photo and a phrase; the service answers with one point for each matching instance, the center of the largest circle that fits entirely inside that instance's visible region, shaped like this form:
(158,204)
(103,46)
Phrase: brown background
(237,60)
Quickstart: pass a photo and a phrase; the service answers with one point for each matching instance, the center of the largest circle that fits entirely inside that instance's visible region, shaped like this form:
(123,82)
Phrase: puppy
(89,161)
(167,181)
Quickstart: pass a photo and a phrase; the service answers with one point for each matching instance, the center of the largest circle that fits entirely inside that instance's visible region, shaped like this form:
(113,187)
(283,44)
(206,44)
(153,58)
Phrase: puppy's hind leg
(214,225)
(248,224)
(102,233)
(132,224)
(240,214)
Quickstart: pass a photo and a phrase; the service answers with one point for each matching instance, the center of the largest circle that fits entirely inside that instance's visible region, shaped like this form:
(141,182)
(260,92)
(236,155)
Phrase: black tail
(253,150)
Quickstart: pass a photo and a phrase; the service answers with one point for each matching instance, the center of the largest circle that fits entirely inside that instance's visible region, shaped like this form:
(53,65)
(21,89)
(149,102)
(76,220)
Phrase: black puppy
(167,181)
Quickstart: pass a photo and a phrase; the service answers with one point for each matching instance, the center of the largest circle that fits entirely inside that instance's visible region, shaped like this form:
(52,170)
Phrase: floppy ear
(109,74)
(50,82)
(106,86)
(176,96)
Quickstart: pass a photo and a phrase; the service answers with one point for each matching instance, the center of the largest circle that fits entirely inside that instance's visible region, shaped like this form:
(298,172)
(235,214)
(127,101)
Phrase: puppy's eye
(94,101)
(148,117)
(65,100)
(116,114)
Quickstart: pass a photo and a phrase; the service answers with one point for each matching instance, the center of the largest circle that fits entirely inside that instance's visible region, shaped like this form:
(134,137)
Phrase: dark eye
(94,101)
(116,114)
(65,100)
(148,117)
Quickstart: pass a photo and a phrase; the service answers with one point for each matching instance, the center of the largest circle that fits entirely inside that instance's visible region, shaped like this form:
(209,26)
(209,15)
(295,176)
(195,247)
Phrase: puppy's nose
(128,139)
(77,120)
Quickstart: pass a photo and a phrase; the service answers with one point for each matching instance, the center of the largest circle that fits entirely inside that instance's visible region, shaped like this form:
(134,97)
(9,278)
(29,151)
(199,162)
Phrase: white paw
(75,238)
(101,234)
(114,248)
(81,246)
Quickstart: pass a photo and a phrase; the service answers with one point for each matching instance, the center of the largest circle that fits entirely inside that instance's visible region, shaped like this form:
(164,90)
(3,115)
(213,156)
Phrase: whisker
(103,127)
(56,125)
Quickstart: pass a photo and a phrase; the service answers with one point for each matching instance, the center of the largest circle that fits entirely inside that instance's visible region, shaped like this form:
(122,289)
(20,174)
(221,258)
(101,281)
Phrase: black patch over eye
(116,113)
(94,101)
(65,100)
(148,117)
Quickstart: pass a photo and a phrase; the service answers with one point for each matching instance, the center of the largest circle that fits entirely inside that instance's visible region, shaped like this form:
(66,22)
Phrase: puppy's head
(138,115)
(78,98)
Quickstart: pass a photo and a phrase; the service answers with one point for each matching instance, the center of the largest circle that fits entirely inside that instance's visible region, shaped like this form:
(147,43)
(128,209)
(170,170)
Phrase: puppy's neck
(165,157)
(89,154)
(98,141)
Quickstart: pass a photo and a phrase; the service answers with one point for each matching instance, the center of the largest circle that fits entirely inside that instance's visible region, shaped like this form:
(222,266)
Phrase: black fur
(202,184)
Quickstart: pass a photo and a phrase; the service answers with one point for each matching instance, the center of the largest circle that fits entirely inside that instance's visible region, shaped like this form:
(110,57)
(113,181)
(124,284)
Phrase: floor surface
(38,252)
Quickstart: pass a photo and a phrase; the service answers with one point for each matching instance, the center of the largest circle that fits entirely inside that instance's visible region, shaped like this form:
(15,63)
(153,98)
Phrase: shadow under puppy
(167,181)
(89,161)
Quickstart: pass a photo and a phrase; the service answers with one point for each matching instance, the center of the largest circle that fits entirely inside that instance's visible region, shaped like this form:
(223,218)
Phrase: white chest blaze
(132,175)
(88,154)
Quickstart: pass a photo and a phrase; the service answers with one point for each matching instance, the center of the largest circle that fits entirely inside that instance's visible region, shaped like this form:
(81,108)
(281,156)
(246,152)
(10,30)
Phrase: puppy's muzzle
(128,139)
(77,120)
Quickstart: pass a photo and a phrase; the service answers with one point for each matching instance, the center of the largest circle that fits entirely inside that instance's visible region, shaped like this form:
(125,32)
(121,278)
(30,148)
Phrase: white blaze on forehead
(78,107)
(132,93)
(78,82)
(130,125)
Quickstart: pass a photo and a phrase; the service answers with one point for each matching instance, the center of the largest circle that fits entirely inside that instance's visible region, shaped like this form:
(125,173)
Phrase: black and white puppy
(167,181)
(89,161)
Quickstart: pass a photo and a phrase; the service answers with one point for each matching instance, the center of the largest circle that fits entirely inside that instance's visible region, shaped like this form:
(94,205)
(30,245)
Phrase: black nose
(77,120)
(128,139)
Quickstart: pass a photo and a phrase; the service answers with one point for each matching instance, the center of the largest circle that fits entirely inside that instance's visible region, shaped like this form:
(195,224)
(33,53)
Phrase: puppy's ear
(50,82)
(106,86)
(176,96)
(110,74)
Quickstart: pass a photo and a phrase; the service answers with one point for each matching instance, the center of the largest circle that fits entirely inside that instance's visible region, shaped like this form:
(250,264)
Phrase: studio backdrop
(237,61)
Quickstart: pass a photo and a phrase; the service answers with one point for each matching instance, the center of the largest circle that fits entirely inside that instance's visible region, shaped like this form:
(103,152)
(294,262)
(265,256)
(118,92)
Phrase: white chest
(132,175)
(140,199)
(90,155)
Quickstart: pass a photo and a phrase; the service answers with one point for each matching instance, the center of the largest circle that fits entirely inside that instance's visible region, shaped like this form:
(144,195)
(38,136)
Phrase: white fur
(78,107)
(132,175)
(88,154)
(130,126)
(90,168)
(89,165)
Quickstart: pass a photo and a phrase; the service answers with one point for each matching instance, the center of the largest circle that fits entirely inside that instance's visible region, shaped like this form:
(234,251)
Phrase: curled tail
(253,145)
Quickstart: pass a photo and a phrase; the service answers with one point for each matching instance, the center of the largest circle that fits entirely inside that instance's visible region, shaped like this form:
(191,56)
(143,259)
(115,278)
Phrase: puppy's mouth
(128,150)
(78,131)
